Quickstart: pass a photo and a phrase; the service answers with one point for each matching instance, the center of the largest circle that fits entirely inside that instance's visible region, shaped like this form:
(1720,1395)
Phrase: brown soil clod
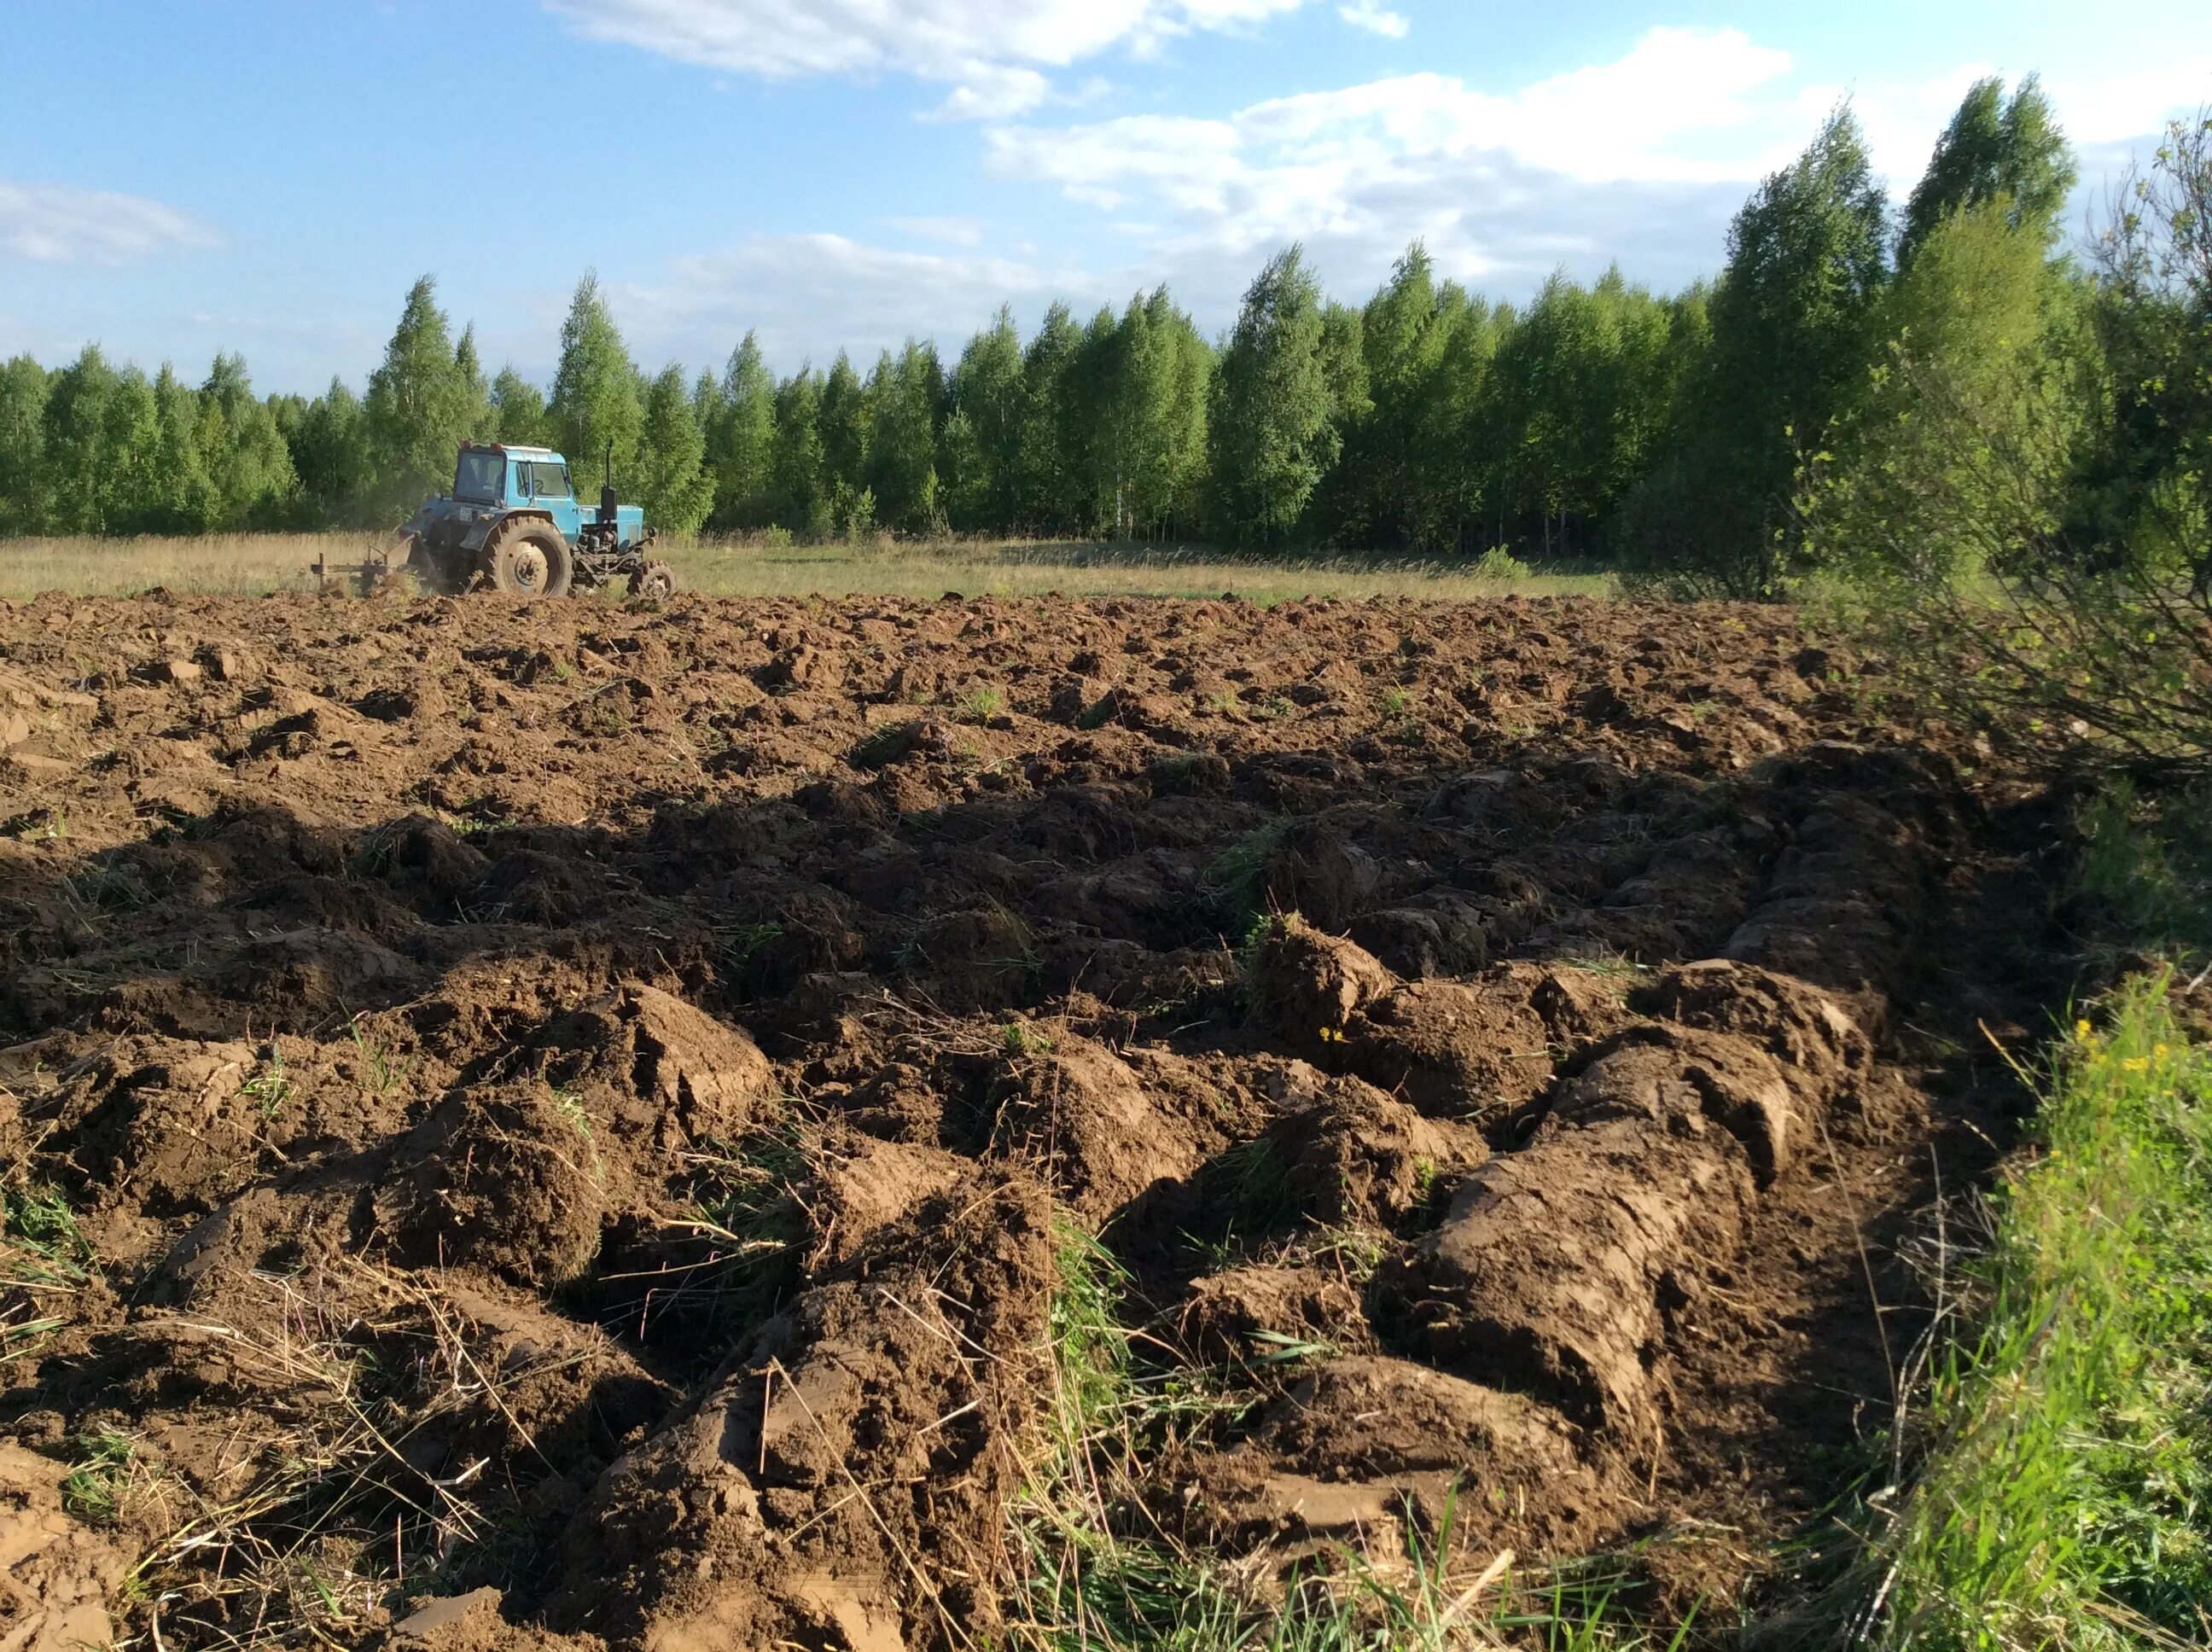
(56,1578)
(508,1178)
(1259,1317)
(1364,1445)
(1080,1114)
(1350,1154)
(849,1469)
(569,1121)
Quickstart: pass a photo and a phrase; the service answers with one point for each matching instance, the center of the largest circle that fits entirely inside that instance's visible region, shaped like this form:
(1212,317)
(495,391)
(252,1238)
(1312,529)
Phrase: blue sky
(181,176)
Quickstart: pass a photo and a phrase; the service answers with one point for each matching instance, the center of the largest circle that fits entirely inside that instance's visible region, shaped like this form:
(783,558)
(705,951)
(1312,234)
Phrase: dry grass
(332,1516)
(221,564)
(252,564)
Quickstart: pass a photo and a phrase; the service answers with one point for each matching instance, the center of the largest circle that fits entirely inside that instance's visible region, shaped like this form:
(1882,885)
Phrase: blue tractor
(513,525)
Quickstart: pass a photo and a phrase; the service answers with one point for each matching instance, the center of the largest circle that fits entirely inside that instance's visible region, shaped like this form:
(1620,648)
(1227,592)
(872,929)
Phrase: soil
(577,1114)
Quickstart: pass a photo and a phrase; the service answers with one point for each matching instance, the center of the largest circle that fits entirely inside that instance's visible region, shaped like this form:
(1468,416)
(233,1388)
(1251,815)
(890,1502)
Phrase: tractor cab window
(481,478)
(548,481)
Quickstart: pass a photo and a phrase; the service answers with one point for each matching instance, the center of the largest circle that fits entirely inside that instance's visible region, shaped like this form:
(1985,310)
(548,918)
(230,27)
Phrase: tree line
(1683,436)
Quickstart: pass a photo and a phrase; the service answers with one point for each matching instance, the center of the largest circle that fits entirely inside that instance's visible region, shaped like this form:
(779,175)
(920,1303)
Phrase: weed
(1616,967)
(2147,866)
(738,943)
(1236,882)
(380,1075)
(37,825)
(1425,1178)
(1247,1185)
(100,887)
(40,1218)
(335,1505)
(883,746)
(1263,928)
(570,1106)
(1499,564)
(979,705)
(1018,1041)
(44,1262)
(1355,1252)
(604,716)
(1090,1576)
(723,1267)
(94,1488)
(270,1088)
(373,854)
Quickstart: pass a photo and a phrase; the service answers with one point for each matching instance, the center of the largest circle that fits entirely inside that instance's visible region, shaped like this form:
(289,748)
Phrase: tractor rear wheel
(655,579)
(529,559)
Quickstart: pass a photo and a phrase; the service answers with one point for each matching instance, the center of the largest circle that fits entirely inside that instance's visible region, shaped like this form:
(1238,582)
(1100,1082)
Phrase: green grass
(737,943)
(1089,1575)
(722,1269)
(2066,1499)
(269,1087)
(884,745)
(252,564)
(979,705)
(1234,882)
(378,1076)
(44,1263)
(93,1489)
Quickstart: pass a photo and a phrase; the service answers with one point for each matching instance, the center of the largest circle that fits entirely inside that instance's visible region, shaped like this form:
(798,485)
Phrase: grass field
(252,564)
(2066,1501)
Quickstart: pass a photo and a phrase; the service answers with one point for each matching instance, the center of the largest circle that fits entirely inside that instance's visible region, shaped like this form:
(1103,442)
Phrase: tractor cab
(511,478)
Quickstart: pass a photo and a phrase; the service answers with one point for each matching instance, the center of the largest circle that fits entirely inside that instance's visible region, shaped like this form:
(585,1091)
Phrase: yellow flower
(2084,1032)
(2159,1053)
(2136,1064)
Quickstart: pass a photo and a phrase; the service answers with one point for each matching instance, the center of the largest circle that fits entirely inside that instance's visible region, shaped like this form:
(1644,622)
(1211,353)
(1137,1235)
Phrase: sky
(178,177)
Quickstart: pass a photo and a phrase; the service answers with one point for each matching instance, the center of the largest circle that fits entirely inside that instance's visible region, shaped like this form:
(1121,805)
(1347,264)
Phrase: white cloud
(996,54)
(952,231)
(992,92)
(59,224)
(1642,159)
(1369,15)
(1316,163)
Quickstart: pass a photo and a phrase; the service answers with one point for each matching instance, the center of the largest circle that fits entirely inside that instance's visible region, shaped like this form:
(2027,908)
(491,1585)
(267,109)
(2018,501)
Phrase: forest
(1730,437)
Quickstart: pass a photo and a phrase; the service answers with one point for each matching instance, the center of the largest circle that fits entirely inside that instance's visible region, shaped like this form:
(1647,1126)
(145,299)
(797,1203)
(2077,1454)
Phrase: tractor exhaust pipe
(607,502)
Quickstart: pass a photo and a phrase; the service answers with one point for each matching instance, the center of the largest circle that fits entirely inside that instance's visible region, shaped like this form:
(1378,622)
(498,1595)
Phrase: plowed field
(612,1108)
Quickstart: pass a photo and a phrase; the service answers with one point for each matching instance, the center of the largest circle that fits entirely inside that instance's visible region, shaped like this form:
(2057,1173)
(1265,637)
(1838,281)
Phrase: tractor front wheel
(529,559)
(655,579)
